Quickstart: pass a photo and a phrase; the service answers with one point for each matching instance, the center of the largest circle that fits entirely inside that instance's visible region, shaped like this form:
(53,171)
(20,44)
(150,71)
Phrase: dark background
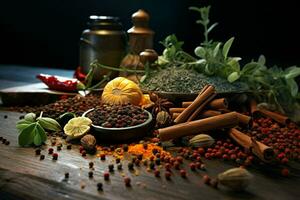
(46,32)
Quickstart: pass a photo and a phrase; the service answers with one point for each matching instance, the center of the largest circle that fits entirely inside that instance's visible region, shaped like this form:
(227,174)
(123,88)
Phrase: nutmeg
(88,142)
(163,119)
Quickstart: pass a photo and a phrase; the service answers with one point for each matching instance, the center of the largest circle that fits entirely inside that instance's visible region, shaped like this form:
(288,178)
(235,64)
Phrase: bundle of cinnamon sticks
(205,114)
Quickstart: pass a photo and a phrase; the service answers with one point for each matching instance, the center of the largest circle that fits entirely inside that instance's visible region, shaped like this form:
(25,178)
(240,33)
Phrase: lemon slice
(77,127)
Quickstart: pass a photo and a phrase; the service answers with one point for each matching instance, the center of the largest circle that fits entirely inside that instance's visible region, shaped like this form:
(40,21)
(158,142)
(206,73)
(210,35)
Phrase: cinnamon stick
(262,151)
(209,113)
(175,115)
(205,93)
(200,108)
(176,110)
(227,120)
(282,119)
(244,119)
(215,104)
(253,108)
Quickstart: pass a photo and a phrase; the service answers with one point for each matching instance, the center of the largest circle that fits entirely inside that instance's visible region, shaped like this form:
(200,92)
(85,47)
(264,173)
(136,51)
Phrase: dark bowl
(109,135)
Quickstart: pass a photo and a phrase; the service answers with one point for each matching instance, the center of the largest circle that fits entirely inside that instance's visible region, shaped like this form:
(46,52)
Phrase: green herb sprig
(33,130)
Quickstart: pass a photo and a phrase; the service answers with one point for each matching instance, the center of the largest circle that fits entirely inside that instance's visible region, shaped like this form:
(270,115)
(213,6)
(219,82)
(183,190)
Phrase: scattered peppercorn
(67,175)
(102,156)
(214,183)
(91,165)
(137,162)
(183,173)
(111,167)
(54,156)
(206,179)
(5,116)
(130,166)
(91,174)
(50,150)
(3,141)
(42,157)
(177,165)
(83,153)
(100,186)
(1,138)
(168,166)
(157,173)
(118,160)
(140,156)
(152,165)
(192,166)
(7,142)
(69,146)
(37,151)
(168,175)
(106,176)
(127,181)
(119,166)
(58,148)
(157,161)
(285,172)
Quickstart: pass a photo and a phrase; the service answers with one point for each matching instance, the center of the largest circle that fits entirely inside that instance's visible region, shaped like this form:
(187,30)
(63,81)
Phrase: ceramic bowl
(125,134)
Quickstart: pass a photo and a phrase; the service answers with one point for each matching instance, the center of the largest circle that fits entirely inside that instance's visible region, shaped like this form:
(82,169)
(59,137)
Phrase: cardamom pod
(163,119)
(235,178)
(30,117)
(201,140)
(49,123)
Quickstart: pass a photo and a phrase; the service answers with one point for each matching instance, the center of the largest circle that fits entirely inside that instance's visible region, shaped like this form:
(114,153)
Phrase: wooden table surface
(24,176)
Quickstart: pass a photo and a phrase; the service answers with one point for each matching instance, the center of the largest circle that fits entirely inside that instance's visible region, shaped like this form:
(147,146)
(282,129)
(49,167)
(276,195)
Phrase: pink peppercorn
(54,156)
(183,173)
(168,175)
(106,176)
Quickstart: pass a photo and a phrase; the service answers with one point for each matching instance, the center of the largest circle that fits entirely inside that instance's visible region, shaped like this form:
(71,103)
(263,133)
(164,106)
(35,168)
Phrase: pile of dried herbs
(183,80)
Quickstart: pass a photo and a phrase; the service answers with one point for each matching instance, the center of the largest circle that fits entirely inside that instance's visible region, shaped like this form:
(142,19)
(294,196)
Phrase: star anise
(160,104)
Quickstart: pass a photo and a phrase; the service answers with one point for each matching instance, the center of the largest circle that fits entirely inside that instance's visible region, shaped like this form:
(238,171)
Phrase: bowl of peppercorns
(119,122)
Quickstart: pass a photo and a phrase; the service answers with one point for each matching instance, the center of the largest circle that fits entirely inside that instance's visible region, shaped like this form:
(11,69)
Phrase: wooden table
(24,176)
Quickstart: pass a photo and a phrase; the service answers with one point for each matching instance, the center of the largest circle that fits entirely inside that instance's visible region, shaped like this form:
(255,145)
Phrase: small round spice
(55,156)
(118,160)
(42,157)
(214,183)
(91,174)
(119,166)
(206,179)
(67,175)
(285,172)
(192,166)
(91,164)
(157,173)
(152,165)
(127,181)
(157,161)
(7,142)
(140,156)
(50,150)
(106,176)
(58,148)
(5,116)
(130,166)
(100,186)
(183,173)
(176,165)
(102,156)
(202,167)
(3,141)
(168,175)
(1,138)
(83,153)
(168,166)
(111,167)
(69,146)
(137,162)
(37,151)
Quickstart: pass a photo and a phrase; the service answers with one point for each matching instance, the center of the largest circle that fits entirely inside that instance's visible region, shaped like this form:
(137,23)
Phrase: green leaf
(216,50)
(37,141)
(30,117)
(200,52)
(49,123)
(234,64)
(21,124)
(249,68)
(227,46)
(211,27)
(208,69)
(293,86)
(27,134)
(293,72)
(42,133)
(233,77)
(262,60)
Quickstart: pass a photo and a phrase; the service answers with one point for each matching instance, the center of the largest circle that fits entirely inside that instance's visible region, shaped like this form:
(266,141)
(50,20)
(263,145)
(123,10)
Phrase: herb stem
(121,69)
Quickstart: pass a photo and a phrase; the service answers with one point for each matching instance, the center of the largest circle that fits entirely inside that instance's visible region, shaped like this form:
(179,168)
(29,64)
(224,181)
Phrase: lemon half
(77,127)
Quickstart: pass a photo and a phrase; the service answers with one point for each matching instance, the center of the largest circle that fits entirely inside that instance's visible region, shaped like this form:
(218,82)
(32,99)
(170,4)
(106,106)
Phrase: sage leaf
(293,72)
(200,52)
(27,134)
(233,77)
(49,123)
(227,46)
(216,50)
(211,27)
(30,117)
(42,133)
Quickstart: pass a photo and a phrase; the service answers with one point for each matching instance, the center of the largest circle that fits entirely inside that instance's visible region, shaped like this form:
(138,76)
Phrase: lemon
(77,127)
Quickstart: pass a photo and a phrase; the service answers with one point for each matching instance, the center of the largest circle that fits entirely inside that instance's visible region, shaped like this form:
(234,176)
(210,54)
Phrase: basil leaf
(233,77)
(216,50)
(293,73)
(200,52)
(49,123)
(293,86)
(37,140)
(21,124)
(227,46)
(30,117)
(27,134)
(42,133)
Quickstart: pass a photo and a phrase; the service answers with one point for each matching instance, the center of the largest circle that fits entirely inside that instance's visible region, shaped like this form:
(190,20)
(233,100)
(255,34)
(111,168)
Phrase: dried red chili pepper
(79,74)
(60,83)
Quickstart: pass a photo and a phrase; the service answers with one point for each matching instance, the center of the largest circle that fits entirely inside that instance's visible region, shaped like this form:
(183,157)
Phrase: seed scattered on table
(100,186)
(42,157)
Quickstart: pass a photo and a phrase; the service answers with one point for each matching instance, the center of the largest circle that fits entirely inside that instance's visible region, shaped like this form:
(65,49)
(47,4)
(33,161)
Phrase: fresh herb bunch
(32,129)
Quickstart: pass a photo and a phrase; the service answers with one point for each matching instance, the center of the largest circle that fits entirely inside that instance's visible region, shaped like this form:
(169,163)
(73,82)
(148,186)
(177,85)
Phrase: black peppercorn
(1,138)
(42,157)
(91,164)
(119,166)
(99,186)
(5,116)
(157,161)
(67,175)
(111,167)
(37,151)
(130,166)
(152,165)
(50,151)
(58,148)
(3,141)
(91,174)
(140,156)
(69,146)
(154,151)
(118,160)
(7,142)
